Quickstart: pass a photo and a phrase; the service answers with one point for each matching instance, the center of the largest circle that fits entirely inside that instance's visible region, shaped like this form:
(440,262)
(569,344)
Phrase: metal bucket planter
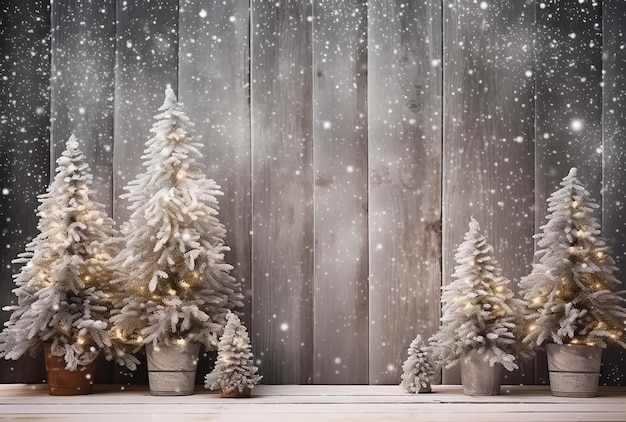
(477,377)
(574,369)
(172,369)
(67,383)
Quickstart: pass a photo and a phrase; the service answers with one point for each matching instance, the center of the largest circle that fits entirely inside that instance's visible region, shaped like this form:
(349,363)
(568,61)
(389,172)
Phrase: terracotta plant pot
(172,369)
(236,394)
(67,383)
(478,378)
(574,369)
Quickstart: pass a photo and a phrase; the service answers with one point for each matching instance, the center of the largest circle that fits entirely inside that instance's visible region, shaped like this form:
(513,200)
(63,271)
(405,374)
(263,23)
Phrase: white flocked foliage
(570,293)
(479,310)
(63,294)
(418,370)
(178,287)
(234,369)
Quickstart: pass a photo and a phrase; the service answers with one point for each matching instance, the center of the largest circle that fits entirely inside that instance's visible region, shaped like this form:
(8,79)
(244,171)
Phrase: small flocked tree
(479,311)
(62,289)
(570,291)
(234,369)
(418,370)
(178,287)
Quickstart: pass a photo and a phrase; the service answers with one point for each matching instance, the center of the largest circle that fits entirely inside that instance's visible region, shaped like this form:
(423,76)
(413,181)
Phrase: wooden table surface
(304,403)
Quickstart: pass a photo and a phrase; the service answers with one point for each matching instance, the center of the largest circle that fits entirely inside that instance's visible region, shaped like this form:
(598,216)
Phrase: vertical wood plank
(488,160)
(340,157)
(614,157)
(214,86)
(282,190)
(404,85)
(82,85)
(24,148)
(568,104)
(146,60)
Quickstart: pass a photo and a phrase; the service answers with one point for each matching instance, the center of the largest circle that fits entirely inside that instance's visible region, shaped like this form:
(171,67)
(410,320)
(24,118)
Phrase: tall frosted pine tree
(172,264)
(570,291)
(62,291)
(479,311)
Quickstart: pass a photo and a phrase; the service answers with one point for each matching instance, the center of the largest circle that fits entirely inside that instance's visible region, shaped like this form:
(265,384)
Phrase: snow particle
(483,5)
(350,169)
(542,5)
(326,125)
(5,191)
(528,73)
(284,326)
(519,139)
(232,19)
(39,111)
(81,110)
(129,44)
(434,62)
(576,125)
(546,135)
(379,246)
(203,13)
(337,361)
(572,35)
(391,367)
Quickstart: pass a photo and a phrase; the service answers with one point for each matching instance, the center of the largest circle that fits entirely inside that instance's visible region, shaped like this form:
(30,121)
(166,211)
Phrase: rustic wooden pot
(574,369)
(172,369)
(236,394)
(477,377)
(67,383)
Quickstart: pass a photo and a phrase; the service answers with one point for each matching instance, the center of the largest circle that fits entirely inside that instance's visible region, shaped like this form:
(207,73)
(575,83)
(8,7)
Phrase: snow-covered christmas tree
(570,291)
(178,287)
(234,370)
(479,311)
(63,294)
(418,370)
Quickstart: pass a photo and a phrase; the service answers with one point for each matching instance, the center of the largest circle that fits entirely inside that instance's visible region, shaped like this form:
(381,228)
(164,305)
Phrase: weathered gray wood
(341,185)
(404,102)
(568,103)
(282,190)
(146,61)
(81,86)
(488,160)
(24,148)
(214,86)
(614,157)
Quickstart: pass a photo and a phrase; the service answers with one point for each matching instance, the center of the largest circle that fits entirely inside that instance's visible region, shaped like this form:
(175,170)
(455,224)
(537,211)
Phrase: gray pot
(477,377)
(172,369)
(574,369)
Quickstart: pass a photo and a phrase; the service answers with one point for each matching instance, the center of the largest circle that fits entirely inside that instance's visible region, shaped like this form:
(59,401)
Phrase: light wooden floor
(310,403)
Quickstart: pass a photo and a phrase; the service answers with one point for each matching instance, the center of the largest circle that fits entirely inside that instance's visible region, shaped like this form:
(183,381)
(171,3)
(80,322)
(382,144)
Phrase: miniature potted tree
(418,370)
(234,374)
(178,287)
(571,306)
(480,318)
(63,296)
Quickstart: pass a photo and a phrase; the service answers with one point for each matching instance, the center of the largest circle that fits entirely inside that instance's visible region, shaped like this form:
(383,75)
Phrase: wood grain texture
(214,86)
(82,86)
(340,156)
(614,157)
(282,190)
(146,61)
(568,105)
(24,148)
(488,161)
(404,88)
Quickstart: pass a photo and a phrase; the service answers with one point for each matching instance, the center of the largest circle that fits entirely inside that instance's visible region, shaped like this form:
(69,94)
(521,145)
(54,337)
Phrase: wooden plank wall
(353,141)
(488,160)
(404,83)
(24,147)
(614,157)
